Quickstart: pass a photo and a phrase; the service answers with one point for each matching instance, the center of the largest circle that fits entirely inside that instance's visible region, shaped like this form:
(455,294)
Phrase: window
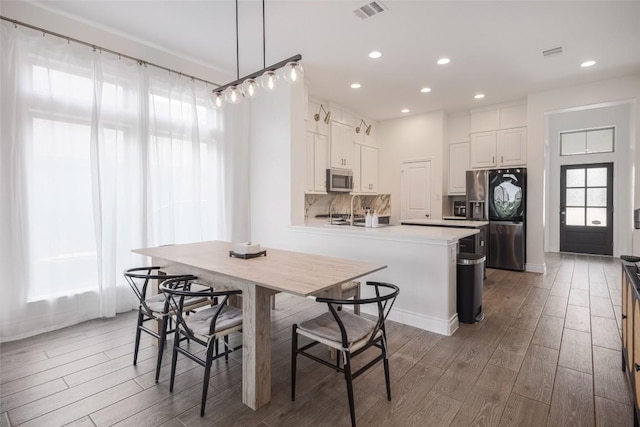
(587,142)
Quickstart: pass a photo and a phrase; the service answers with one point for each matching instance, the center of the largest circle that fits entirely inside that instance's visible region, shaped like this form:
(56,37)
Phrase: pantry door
(416,190)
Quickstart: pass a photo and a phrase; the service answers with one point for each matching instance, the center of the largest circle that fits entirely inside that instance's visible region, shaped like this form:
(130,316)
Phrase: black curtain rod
(102,49)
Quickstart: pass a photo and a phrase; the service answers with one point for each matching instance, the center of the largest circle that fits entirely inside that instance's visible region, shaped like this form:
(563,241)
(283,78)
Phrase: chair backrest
(177,290)
(384,303)
(139,278)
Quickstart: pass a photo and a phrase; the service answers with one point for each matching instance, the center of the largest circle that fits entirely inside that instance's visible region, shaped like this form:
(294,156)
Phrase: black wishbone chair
(155,308)
(349,334)
(204,327)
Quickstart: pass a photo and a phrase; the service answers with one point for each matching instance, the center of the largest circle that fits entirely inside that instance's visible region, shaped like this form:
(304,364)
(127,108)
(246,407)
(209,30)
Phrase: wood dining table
(296,273)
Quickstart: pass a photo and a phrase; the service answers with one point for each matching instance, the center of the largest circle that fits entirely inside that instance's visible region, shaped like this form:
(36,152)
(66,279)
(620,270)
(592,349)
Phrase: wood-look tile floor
(547,353)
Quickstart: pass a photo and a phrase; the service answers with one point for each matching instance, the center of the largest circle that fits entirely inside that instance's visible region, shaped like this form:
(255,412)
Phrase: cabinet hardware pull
(501,159)
(624,316)
(493,159)
(635,365)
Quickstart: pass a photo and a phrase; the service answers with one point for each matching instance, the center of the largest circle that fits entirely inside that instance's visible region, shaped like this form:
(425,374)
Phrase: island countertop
(408,233)
(446,223)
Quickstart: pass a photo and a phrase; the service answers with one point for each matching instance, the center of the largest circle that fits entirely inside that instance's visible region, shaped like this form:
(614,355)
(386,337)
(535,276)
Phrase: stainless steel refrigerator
(506,200)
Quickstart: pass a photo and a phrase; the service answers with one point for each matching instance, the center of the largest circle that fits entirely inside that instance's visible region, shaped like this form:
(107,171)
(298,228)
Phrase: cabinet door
(350,138)
(337,138)
(320,164)
(512,147)
(483,149)
(630,336)
(625,313)
(369,170)
(458,166)
(635,373)
(357,169)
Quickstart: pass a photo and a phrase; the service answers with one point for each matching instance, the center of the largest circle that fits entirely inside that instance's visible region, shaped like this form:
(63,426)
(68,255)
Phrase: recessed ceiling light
(375,54)
(355,86)
(425,90)
(479,96)
(588,64)
(443,61)
(405,110)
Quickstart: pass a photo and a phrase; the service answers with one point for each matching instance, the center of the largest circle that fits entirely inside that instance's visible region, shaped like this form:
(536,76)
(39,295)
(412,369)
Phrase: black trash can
(470,279)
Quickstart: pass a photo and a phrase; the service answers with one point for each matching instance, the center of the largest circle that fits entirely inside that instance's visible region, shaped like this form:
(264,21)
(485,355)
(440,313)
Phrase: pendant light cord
(264,49)
(237,46)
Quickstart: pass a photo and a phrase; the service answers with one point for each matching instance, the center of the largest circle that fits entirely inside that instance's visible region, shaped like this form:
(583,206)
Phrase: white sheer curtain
(100,155)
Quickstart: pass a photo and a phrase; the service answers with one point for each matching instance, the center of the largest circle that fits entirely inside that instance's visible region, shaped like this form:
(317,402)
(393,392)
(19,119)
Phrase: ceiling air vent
(553,52)
(370,9)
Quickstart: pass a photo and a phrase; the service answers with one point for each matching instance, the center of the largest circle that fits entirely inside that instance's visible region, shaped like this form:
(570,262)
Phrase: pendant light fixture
(267,78)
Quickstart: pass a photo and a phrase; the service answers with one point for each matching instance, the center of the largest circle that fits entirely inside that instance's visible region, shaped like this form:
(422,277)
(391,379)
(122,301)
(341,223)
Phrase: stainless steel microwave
(339,180)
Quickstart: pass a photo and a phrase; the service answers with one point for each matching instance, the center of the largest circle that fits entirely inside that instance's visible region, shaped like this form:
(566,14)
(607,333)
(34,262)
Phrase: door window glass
(575,196)
(597,197)
(575,216)
(596,217)
(597,177)
(575,177)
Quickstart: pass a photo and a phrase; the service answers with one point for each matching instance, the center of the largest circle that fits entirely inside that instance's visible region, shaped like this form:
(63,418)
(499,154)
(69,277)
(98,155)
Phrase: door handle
(427,215)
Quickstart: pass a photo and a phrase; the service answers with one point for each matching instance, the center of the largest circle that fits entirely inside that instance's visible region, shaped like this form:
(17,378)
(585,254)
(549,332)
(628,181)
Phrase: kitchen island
(420,260)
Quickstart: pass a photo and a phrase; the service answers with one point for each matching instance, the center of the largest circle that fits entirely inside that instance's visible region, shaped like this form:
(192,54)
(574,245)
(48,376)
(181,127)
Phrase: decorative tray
(247,256)
(629,258)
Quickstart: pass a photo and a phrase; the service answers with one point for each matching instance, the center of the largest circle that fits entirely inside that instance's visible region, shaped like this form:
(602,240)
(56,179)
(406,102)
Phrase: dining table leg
(256,346)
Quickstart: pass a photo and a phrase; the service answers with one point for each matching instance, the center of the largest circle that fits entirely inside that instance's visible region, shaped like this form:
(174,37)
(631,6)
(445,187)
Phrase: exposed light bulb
(218,99)
(293,72)
(250,88)
(269,80)
(233,95)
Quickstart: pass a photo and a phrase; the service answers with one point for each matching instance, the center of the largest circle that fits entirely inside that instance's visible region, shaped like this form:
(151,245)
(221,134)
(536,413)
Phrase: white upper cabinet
(484,120)
(483,149)
(342,139)
(368,170)
(499,136)
(356,169)
(316,167)
(458,166)
(512,147)
(499,148)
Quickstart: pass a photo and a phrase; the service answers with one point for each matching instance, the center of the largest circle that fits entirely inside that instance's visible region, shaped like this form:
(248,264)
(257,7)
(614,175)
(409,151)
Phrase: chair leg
(226,348)
(349,379)
(385,361)
(174,359)
(138,330)
(294,357)
(161,342)
(356,307)
(207,372)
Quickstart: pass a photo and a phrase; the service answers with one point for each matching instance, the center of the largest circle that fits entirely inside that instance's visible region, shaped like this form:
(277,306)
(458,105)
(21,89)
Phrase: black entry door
(586,209)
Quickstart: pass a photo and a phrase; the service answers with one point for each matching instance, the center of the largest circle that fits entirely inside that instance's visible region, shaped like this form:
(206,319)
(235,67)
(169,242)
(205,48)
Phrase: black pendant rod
(264,49)
(237,46)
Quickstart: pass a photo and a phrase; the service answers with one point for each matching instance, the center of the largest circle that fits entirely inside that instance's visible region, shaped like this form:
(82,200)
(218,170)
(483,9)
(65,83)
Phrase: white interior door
(416,190)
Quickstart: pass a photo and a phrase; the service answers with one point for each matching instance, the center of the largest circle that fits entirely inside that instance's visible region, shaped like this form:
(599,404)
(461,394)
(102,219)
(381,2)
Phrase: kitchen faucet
(353,196)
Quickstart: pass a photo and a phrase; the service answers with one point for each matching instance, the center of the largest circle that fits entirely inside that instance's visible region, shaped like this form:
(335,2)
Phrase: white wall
(408,138)
(618,116)
(626,88)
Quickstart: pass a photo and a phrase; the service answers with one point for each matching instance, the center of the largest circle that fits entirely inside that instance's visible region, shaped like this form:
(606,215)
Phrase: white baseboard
(427,323)
(536,268)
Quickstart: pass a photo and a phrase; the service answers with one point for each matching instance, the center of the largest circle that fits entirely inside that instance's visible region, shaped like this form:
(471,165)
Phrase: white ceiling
(495,46)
